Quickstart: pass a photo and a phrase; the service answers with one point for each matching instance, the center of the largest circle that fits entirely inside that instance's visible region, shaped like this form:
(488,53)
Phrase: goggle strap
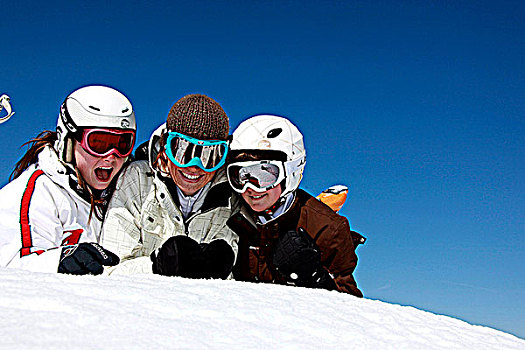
(294,165)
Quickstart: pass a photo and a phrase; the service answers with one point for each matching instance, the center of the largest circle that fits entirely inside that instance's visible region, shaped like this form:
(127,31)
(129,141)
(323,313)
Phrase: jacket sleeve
(121,231)
(212,226)
(212,223)
(339,256)
(35,231)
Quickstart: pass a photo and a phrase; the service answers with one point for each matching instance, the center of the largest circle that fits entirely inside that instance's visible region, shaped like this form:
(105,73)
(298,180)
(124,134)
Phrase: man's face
(190,179)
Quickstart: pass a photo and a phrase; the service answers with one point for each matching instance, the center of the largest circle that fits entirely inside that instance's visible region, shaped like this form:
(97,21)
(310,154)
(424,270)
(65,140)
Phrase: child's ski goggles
(257,175)
(185,151)
(103,142)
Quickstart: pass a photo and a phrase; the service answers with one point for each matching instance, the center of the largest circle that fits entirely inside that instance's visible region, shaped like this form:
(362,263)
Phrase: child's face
(260,201)
(97,171)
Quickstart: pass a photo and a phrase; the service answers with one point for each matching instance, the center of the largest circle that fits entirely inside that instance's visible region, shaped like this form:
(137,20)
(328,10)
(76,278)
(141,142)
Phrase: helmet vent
(95,108)
(274,133)
(125,110)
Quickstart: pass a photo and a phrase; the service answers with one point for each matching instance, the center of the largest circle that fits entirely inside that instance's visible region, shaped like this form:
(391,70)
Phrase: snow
(154,312)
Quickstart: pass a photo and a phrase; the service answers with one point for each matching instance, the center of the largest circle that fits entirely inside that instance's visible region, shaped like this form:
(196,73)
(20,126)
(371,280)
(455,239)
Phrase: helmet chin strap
(274,207)
(69,151)
(279,208)
(85,191)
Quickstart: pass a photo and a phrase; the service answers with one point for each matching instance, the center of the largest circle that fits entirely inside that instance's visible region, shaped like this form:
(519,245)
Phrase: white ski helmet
(265,133)
(91,107)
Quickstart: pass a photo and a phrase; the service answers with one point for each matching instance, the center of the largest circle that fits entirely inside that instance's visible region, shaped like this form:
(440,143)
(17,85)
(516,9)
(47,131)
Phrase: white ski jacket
(142,215)
(40,212)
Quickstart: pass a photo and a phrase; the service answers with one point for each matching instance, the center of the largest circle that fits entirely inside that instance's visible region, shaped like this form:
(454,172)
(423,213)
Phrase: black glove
(184,257)
(178,256)
(86,258)
(218,259)
(298,260)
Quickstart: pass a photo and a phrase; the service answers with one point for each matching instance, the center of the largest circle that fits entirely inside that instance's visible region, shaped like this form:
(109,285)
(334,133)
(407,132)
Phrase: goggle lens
(260,176)
(185,151)
(101,142)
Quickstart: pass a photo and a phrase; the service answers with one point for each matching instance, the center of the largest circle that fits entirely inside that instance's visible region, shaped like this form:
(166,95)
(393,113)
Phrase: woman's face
(260,201)
(190,179)
(97,171)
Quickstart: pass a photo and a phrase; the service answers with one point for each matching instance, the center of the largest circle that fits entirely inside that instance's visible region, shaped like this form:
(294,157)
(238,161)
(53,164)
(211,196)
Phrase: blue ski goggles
(185,151)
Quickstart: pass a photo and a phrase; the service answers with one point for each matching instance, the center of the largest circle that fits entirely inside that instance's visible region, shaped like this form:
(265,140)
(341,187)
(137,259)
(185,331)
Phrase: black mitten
(298,259)
(178,256)
(218,258)
(184,257)
(86,258)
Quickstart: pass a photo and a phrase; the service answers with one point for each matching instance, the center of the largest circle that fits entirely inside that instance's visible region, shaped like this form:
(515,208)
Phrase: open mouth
(103,174)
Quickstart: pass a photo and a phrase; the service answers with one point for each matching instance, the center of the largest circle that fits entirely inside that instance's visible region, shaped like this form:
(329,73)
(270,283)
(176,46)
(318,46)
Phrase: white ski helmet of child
(92,106)
(273,133)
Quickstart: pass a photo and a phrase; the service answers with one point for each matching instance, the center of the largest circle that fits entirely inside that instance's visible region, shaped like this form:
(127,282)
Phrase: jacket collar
(219,193)
(64,176)
(287,221)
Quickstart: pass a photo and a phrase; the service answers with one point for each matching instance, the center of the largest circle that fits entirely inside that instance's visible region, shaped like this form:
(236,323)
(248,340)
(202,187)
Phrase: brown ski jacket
(329,230)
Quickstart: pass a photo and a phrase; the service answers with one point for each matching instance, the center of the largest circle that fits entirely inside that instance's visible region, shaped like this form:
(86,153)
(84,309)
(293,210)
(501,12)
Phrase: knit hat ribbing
(198,116)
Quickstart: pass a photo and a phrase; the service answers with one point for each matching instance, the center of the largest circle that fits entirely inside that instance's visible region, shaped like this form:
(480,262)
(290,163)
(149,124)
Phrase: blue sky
(418,107)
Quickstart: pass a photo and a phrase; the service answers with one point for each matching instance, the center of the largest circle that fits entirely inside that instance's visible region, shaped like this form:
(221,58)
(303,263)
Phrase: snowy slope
(152,312)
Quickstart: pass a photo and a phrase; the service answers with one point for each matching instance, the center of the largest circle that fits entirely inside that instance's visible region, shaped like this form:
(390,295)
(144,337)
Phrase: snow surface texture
(52,311)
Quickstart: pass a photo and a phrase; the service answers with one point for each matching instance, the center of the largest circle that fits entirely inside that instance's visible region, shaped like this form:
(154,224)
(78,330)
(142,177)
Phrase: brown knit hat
(200,117)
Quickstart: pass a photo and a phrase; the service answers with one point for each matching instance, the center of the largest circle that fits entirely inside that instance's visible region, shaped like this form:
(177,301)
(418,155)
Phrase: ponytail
(48,138)
(36,145)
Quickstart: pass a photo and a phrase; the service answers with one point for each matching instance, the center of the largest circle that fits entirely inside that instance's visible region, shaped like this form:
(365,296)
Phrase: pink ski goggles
(103,142)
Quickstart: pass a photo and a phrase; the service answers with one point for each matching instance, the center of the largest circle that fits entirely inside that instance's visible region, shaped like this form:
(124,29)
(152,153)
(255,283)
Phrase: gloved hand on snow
(218,259)
(184,257)
(86,258)
(298,260)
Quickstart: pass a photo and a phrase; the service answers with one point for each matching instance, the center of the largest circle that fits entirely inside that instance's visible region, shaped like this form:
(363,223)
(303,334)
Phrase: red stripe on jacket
(24,215)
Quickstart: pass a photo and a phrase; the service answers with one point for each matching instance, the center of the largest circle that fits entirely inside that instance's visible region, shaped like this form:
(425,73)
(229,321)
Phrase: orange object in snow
(334,197)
